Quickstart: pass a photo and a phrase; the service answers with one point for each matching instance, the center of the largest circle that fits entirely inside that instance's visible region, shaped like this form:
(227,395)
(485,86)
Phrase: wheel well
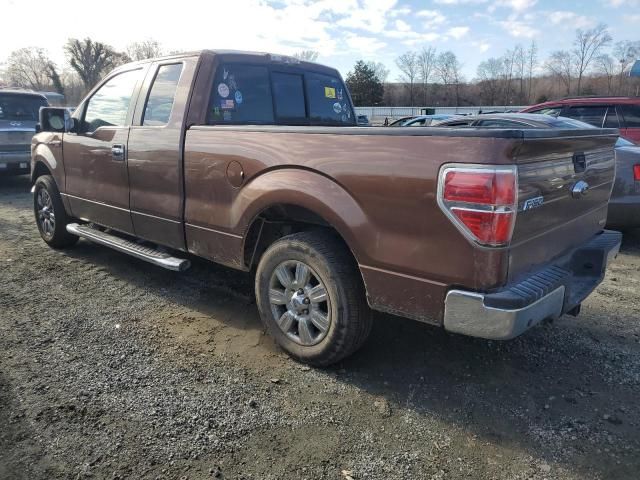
(276,222)
(39,170)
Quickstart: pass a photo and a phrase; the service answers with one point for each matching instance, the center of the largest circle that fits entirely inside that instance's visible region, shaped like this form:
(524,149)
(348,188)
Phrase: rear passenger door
(155,153)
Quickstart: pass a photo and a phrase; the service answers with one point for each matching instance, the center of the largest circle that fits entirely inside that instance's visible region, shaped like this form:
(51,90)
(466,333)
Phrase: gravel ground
(113,368)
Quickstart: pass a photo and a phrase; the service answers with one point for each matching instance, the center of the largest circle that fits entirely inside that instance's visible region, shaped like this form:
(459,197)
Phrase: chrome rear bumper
(546,294)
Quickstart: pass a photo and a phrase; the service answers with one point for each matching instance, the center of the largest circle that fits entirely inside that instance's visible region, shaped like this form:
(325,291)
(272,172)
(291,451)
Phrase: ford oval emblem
(580,189)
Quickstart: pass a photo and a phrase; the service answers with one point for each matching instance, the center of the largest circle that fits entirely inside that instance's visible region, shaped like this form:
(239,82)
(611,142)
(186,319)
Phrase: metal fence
(378,114)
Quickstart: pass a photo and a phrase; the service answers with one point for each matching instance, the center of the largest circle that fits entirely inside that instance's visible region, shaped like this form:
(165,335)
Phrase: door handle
(54,143)
(117,151)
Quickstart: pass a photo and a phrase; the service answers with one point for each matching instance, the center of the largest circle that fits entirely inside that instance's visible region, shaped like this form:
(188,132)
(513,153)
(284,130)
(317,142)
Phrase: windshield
(623,142)
(20,107)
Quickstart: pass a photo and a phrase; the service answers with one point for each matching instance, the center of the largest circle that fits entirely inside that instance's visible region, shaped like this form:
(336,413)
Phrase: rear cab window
(250,94)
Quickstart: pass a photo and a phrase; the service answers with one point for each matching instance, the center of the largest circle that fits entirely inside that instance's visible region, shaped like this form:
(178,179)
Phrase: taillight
(482,202)
(636,172)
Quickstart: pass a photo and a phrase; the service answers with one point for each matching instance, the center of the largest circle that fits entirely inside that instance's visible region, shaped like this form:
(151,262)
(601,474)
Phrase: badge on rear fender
(534,202)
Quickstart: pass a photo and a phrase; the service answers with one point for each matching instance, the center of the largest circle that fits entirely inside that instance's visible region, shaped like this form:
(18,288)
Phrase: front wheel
(311,297)
(50,214)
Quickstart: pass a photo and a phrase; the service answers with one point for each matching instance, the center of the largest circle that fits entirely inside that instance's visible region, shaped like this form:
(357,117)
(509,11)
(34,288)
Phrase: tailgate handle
(579,162)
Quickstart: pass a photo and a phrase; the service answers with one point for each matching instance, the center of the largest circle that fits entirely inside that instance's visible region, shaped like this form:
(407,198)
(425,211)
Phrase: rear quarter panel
(378,191)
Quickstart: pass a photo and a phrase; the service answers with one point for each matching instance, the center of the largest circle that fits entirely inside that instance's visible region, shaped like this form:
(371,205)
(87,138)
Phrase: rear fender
(307,189)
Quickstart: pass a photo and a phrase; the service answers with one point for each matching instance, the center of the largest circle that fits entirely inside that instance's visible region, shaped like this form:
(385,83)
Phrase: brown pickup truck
(255,161)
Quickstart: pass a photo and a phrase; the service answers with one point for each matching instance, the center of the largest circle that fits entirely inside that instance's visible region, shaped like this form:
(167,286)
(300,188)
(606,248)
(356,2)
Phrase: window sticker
(223,90)
(340,94)
(226,116)
(337,108)
(329,92)
(227,104)
(238,97)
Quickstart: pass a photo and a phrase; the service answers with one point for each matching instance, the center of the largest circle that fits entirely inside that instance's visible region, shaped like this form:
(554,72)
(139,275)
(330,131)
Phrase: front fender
(308,189)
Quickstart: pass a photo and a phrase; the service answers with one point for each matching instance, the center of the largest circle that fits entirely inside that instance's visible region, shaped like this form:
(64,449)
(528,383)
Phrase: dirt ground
(113,368)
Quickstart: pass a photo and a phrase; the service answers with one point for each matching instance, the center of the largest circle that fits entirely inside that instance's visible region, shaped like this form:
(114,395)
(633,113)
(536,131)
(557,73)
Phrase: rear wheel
(311,298)
(50,214)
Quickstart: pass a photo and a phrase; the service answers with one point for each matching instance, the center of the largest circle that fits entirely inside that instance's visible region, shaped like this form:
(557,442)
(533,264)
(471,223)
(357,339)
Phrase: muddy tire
(311,297)
(50,214)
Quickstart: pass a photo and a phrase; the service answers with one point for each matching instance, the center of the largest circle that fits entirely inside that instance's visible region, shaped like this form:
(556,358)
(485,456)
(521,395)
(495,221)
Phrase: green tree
(365,86)
(92,60)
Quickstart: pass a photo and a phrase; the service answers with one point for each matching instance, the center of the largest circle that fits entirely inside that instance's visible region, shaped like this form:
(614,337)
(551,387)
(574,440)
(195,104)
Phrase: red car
(608,112)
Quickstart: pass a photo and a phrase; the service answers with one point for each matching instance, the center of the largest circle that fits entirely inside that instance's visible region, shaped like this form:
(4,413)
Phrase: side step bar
(134,249)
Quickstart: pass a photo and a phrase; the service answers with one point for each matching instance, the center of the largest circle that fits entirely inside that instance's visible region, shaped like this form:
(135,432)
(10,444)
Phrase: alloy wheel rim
(46,216)
(300,303)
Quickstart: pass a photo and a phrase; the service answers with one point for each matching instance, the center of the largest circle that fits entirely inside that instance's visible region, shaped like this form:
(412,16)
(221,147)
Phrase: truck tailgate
(564,184)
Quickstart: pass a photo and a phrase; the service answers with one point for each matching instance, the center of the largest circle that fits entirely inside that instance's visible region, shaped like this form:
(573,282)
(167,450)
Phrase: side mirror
(54,119)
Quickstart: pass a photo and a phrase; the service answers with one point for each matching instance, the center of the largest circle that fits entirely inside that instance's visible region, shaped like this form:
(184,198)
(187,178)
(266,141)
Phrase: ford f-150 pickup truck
(255,161)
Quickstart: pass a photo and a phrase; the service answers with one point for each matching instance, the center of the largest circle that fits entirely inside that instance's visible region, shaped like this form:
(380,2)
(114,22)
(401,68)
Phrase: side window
(108,107)
(241,94)
(611,120)
(328,101)
(501,124)
(631,115)
(163,91)
(288,93)
(417,123)
(593,115)
(552,111)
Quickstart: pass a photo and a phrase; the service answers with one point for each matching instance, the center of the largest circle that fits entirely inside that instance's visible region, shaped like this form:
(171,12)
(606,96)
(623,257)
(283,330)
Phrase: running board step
(134,249)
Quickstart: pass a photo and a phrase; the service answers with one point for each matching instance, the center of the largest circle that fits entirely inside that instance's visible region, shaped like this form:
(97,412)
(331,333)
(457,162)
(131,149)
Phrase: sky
(341,31)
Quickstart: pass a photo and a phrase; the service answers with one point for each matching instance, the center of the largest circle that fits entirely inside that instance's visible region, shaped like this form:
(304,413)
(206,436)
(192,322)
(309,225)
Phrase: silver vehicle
(18,118)
(426,120)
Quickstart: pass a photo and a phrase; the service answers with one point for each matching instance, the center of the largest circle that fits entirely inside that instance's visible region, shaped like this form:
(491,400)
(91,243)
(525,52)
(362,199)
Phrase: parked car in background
(362,120)
(607,112)
(624,205)
(401,121)
(425,120)
(18,118)
(513,120)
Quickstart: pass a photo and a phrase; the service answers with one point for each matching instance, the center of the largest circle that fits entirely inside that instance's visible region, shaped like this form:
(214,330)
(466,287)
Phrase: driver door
(95,157)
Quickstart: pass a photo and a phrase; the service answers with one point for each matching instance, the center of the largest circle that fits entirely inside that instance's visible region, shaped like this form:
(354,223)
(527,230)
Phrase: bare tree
(532,62)
(560,65)
(606,65)
(306,55)
(30,68)
(586,46)
(408,65)
(91,60)
(143,50)
(520,66)
(381,72)
(427,63)
(625,52)
(490,77)
(448,70)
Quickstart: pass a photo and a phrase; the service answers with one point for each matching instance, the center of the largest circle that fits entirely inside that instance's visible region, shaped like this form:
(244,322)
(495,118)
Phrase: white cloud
(457,32)
(516,5)
(519,29)
(363,44)
(403,26)
(481,46)
(570,19)
(432,18)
